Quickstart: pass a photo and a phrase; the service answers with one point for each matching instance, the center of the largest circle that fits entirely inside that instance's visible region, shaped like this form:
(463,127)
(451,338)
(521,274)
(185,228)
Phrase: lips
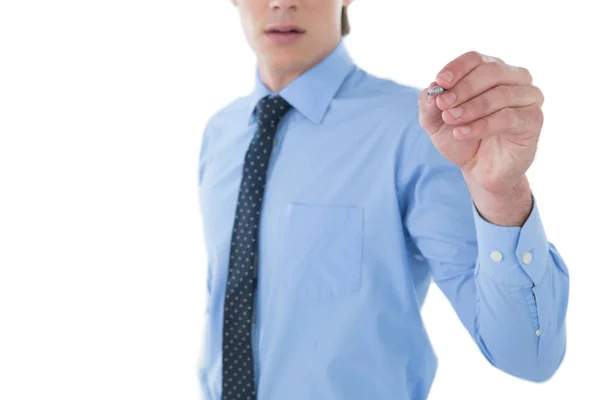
(285,30)
(284,35)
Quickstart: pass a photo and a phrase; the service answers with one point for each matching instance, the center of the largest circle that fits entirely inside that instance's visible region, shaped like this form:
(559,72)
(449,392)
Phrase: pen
(435,90)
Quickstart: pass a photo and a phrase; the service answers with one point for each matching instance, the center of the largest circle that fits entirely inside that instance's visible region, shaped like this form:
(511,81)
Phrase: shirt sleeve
(508,285)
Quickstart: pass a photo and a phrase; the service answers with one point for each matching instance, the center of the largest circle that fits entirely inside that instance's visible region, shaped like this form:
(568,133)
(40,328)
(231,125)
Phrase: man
(331,198)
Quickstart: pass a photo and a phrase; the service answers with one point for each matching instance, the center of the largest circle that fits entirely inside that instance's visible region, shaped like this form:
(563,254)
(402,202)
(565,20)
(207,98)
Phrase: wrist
(510,205)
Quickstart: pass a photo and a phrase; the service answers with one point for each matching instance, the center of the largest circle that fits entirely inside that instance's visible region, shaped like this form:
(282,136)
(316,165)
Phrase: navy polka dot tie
(238,373)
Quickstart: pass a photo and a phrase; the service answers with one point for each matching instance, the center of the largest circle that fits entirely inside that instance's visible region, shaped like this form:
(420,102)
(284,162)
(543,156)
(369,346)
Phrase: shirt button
(527,257)
(538,333)
(496,255)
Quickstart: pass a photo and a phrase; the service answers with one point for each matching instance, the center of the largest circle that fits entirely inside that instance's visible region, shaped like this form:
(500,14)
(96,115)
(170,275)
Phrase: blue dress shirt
(360,213)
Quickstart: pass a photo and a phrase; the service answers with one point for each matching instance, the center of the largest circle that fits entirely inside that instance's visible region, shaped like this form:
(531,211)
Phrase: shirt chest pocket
(321,252)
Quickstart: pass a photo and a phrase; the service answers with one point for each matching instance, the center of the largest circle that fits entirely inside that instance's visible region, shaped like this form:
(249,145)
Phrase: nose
(284,4)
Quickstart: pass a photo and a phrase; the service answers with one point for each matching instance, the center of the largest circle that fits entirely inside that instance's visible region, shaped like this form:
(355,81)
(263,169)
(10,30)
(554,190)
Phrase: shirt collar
(312,91)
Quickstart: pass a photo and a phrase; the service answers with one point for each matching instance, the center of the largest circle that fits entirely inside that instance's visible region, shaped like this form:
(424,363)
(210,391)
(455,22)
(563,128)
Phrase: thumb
(430,115)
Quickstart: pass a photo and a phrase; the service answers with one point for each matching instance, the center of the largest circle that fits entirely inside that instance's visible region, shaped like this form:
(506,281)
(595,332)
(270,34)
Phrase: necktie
(238,373)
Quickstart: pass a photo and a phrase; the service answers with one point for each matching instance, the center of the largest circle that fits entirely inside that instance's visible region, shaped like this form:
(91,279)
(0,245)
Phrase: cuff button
(496,255)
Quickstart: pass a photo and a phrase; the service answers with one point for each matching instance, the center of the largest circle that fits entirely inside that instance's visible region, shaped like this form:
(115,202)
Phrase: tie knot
(270,110)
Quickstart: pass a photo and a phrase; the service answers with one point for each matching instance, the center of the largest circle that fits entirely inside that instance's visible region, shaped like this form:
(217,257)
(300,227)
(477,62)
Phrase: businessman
(331,198)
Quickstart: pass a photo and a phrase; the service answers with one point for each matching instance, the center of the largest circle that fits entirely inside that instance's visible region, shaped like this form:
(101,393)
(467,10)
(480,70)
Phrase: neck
(276,78)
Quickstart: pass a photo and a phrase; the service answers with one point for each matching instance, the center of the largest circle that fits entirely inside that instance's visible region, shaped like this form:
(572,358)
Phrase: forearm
(521,329)
(522,287)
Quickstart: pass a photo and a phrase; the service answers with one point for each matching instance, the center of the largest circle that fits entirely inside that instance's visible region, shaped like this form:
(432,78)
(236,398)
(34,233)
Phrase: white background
(102,106)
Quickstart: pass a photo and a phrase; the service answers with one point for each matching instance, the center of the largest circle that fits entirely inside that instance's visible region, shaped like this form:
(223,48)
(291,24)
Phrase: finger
(430,116)
(461,66)
(481,79)
(497,98)
(507,121)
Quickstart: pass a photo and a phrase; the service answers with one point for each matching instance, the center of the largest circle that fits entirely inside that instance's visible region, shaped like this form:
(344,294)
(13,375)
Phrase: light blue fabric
(360,212)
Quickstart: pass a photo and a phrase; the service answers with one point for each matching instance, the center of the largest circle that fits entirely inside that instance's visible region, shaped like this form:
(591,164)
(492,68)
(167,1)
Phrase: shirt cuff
(512,254)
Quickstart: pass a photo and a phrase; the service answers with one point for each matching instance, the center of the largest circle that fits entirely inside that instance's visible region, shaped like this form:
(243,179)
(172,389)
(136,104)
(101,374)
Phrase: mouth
(285,31)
